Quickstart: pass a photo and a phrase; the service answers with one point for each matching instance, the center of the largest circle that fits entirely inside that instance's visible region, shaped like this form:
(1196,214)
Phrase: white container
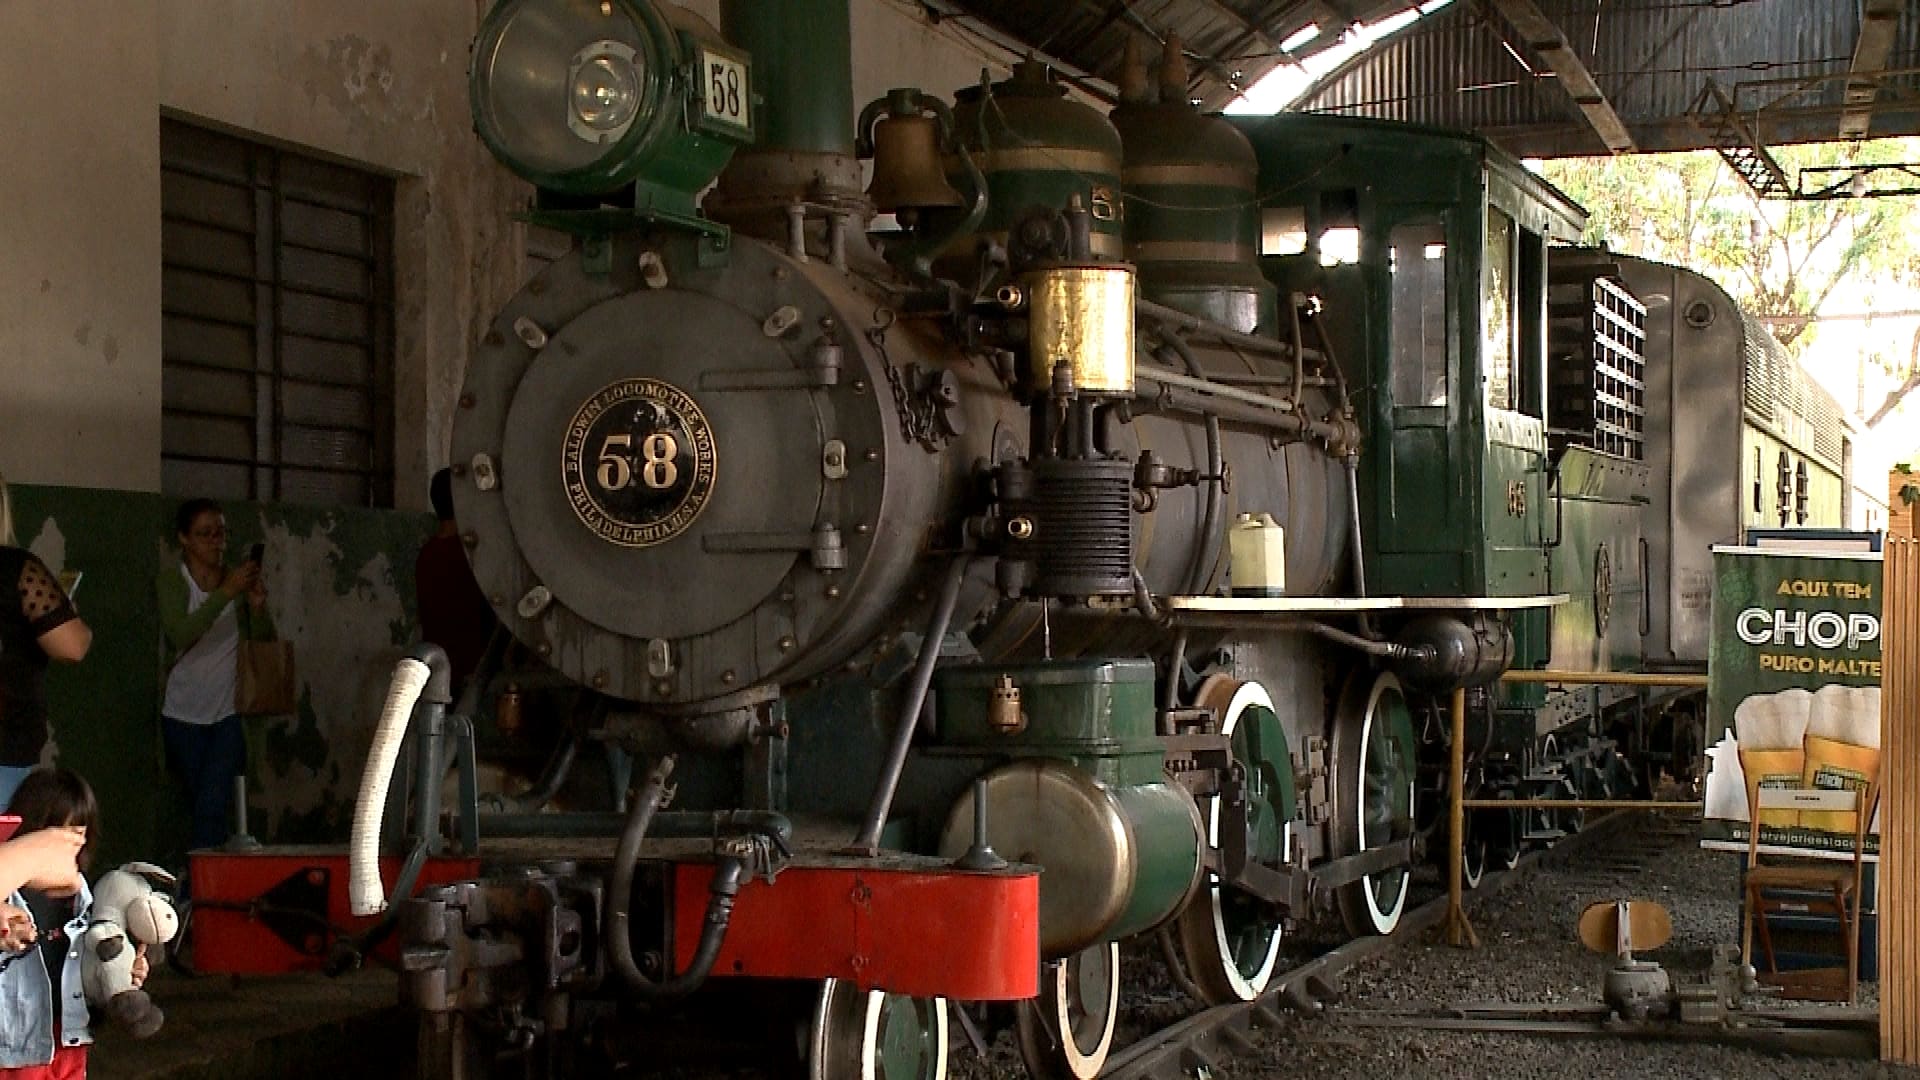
(1257,556)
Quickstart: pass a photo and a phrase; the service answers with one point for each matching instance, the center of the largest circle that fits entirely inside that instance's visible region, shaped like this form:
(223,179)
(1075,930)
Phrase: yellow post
(1459,930)
(1899,870)
(1606,678)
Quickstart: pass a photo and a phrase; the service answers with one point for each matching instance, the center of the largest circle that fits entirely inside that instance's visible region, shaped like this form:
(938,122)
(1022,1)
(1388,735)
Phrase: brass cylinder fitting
(1082,316)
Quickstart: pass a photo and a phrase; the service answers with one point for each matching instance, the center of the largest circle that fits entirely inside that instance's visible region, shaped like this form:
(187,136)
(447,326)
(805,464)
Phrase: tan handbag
(266,685)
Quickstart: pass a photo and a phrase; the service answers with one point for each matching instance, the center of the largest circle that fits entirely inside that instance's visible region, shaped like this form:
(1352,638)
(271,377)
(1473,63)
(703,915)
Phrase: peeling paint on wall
(340,587)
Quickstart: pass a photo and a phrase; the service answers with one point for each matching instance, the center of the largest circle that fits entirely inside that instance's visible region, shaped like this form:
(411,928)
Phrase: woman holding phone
(206,609)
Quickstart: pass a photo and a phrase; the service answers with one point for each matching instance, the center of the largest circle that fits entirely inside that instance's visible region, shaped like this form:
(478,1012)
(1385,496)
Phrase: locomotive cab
(1434,247)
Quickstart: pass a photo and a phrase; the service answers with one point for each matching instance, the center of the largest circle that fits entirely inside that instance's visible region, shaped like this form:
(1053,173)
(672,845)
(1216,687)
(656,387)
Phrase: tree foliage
(1775,257)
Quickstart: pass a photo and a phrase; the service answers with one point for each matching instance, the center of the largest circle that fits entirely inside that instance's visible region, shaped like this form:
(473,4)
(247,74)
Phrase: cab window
(1417,262)
(1499,311)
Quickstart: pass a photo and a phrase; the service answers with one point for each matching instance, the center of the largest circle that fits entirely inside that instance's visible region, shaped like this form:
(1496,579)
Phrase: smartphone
(257,554)
(9,824)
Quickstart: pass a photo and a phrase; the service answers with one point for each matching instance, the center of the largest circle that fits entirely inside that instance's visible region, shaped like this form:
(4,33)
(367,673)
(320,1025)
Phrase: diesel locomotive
(1067,534)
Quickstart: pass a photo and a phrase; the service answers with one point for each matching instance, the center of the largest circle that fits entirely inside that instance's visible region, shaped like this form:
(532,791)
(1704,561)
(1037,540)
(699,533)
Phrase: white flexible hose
(366,894)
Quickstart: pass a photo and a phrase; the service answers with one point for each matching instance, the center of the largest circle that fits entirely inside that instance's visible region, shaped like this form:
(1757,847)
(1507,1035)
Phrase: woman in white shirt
(203,619)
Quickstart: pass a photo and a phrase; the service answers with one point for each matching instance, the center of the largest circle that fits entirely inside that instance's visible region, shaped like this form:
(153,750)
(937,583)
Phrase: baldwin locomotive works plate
(638,462)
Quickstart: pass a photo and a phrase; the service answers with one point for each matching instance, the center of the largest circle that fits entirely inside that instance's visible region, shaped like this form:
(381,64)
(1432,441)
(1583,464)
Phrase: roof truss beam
(1548,43)
(1879,19)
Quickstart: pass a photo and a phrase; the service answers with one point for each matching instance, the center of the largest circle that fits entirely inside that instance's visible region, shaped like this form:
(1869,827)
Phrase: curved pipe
(422,674)
(551,778)
(903,728)
(727,878)
(1143,599)
(1386,650)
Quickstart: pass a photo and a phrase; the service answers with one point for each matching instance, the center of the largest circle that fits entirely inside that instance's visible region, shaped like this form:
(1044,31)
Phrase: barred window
(277,323)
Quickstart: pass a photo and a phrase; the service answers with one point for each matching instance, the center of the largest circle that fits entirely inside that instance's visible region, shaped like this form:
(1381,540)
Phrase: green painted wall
(340,588)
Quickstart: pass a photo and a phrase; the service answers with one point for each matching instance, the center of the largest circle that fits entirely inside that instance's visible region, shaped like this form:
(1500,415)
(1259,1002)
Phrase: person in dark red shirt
(454,613)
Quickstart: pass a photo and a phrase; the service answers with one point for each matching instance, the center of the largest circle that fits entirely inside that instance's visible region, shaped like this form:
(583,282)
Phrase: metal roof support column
(1551,45)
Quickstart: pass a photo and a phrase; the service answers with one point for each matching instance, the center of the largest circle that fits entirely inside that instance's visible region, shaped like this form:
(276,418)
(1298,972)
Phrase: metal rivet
(534,602)
(859,386)
(466,401)
(827,323)
(530,332)
(786,643)
(484,475)
(863,528)
(497,600)
(783,319)
(544,649)
(653,272)
(786,596)
(599,680)
(833,591)
(779,273)
(873,455)
(728,677)
(470,538)
(662,689)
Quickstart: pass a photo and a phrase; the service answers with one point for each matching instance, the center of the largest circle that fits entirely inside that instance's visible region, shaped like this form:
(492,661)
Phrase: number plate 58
(725,88)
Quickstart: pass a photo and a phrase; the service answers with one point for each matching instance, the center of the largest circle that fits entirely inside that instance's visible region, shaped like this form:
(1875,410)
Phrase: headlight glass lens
(557,82)
(606,91)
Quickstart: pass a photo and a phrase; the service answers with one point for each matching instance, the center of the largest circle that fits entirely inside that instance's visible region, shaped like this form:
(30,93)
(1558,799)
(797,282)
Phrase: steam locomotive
(1068,536)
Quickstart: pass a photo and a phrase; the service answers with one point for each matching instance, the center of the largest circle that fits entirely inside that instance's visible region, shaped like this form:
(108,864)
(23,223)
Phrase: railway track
(1205,1043)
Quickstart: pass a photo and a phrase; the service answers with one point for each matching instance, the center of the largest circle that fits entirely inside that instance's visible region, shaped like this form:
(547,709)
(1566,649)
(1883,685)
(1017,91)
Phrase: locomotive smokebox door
(700,476)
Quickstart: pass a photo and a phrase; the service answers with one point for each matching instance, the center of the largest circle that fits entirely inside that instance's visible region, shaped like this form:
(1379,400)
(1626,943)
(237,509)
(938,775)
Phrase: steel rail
(1210,1038)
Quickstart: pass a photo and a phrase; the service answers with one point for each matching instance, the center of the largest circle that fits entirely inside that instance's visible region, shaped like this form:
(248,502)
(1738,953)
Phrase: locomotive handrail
(1192,324)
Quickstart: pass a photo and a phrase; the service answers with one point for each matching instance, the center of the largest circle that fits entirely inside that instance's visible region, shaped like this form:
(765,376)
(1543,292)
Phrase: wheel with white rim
(1373,804)
(1473,854)
(1229,939)
(873,1035)
(1066,1032)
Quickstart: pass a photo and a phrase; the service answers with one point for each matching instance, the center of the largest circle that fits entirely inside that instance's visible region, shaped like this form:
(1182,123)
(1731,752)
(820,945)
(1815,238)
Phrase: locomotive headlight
(605,91)
(585,96)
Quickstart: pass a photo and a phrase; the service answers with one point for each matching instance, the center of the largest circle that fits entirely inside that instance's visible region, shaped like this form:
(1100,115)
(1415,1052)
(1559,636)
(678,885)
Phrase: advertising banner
(1793,692)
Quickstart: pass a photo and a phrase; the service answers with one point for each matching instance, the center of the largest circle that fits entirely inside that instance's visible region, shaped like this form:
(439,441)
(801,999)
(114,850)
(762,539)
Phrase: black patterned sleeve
(42,600)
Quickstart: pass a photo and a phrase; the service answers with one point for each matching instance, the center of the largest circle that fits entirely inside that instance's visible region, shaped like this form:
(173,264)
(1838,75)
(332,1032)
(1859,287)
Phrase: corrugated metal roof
(1232,44)
(1466,68)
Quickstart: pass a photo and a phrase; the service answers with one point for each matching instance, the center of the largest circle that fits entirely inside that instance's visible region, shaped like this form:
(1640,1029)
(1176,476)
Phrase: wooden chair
(1824,886)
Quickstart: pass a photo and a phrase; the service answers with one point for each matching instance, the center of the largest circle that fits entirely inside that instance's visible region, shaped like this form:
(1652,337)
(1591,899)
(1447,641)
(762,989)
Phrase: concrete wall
(370,82)
(82,88)
(80,263)
(340,587)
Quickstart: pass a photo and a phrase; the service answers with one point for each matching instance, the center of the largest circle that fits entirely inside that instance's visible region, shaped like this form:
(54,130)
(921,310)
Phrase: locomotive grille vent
(1596,365)
(1781,398)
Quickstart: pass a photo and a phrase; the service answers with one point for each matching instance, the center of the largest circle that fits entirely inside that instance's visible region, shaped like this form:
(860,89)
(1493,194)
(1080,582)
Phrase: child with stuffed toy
(43,1009)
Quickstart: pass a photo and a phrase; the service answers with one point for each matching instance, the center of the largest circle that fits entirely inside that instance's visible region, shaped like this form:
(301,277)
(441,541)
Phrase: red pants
(69,1063)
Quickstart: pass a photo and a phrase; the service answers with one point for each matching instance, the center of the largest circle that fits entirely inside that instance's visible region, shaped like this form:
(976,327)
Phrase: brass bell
(906,165)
